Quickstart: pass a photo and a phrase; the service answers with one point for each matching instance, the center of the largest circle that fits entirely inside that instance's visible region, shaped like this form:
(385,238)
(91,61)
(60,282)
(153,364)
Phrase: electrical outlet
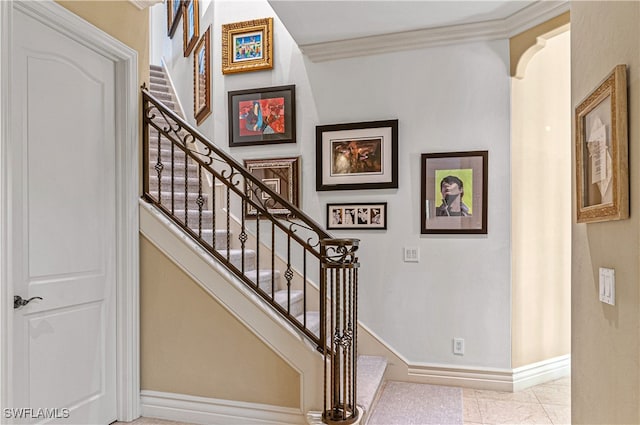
(458,346)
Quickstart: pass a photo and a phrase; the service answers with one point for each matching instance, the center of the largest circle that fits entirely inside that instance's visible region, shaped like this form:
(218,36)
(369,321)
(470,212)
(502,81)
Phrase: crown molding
(143,4)
(430,37)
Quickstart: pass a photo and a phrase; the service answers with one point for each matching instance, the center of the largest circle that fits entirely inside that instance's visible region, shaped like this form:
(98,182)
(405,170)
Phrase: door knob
(19,301)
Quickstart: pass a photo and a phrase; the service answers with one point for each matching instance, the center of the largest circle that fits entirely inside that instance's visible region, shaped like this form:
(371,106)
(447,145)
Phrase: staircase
(204,192)
(187,191)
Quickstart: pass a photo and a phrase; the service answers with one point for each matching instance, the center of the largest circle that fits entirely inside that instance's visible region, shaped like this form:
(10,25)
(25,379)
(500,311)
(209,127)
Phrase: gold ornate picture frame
(602,172)
(279,175)
(202,78)
(247,46)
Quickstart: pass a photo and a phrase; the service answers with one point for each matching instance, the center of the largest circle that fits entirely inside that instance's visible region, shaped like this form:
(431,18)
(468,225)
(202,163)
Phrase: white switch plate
(411,254)
(607,293)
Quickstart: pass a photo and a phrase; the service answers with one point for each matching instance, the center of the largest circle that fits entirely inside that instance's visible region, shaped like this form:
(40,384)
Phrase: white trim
(541,372)
(127,172)
(143,4)
(430,37)
(244,304)
(211,411)
(180,110)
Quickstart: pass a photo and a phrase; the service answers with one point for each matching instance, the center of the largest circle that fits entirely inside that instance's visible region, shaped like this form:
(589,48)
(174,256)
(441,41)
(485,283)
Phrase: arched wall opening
(541,199)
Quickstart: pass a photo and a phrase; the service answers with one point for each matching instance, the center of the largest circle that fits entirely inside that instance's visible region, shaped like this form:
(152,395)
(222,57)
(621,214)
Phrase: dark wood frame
(288,93)
(608,104)
(173,19)
(229,33)
(331,225)
(431,163)
(386,131)
(202,111)
(190,43)
(291,166)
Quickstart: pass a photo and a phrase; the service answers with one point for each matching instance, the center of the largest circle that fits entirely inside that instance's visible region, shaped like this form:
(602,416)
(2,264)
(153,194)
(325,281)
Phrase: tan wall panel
(606,339)
(190,344)
(541,207)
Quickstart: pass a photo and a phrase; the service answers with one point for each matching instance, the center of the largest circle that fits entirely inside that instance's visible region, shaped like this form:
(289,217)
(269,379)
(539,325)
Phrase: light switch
(607,286)
(411,255)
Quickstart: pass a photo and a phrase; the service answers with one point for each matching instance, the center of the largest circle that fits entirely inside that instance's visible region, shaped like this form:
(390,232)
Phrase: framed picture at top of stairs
(202,78)
(262,116)
(191,21)
(174,12)
(247,46)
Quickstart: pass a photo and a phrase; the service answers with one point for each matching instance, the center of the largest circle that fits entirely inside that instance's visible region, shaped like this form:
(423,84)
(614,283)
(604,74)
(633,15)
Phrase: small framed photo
(453,192)
(602,173)
(262,116)
(202,78)
(360,155)
(191,31)
(174,12)
(279,175)
(247,46)
(357,216)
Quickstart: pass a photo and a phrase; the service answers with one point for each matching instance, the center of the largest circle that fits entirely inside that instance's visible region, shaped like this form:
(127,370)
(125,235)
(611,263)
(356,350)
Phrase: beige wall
(123,21)
(541,206)
(190,344)
(606,339)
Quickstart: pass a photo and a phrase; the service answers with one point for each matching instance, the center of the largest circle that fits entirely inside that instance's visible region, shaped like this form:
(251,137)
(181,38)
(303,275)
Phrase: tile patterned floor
(548,403)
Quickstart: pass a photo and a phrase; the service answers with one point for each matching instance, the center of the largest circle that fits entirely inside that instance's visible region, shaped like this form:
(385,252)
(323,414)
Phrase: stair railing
(239,220)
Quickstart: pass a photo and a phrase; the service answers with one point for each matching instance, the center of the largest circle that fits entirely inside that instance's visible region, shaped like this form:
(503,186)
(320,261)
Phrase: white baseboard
(491,378)
(541,372)
(201,410)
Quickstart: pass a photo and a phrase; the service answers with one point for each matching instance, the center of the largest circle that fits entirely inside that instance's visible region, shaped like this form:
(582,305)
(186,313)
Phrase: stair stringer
(240,301)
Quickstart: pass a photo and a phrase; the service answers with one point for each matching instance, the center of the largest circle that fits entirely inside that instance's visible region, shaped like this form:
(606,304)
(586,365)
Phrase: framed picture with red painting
(262,116)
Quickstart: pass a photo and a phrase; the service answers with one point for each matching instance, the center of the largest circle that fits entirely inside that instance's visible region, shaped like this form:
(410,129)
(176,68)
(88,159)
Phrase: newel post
(339,328)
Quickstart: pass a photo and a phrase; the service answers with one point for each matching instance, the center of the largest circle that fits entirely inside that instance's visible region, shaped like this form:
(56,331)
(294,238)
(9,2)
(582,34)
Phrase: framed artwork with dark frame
(174,12)
(361,155)
(357,216)
(602,171)
(280,175)
(191,21)
(453,192)
(202,78)
(247,46)
(262,116)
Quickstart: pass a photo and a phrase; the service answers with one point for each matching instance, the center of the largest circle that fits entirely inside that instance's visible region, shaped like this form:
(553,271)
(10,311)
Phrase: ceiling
(313,22)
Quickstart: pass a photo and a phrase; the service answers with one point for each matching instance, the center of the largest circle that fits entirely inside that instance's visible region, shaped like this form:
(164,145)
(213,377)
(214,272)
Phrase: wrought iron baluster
(173,181)
(158,169)
(242,236)
(200,201)
(304,286)
(273,259)
(186,191)
(215,210)
(228,224)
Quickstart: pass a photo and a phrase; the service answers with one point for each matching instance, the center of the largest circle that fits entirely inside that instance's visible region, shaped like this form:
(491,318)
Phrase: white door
(62,230)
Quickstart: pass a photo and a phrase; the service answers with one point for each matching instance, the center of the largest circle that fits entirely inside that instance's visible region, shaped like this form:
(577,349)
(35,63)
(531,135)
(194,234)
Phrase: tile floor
(548,403)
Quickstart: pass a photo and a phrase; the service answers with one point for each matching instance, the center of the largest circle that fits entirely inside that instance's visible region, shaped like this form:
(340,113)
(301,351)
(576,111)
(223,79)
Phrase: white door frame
(127,174)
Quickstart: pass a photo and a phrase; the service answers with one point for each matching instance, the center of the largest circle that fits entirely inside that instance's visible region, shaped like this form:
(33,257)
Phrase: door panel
(62,224)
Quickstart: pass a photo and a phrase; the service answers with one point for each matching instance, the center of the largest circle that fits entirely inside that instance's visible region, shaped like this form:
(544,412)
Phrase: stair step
(313,321)
(221,237)
(369,380)
(162,96)
(179,167)
(296,305)
(193,219)
(156,73)
(158,84)
(178,183)
(178,200)
(264,277)
(155,67)
(235,257)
